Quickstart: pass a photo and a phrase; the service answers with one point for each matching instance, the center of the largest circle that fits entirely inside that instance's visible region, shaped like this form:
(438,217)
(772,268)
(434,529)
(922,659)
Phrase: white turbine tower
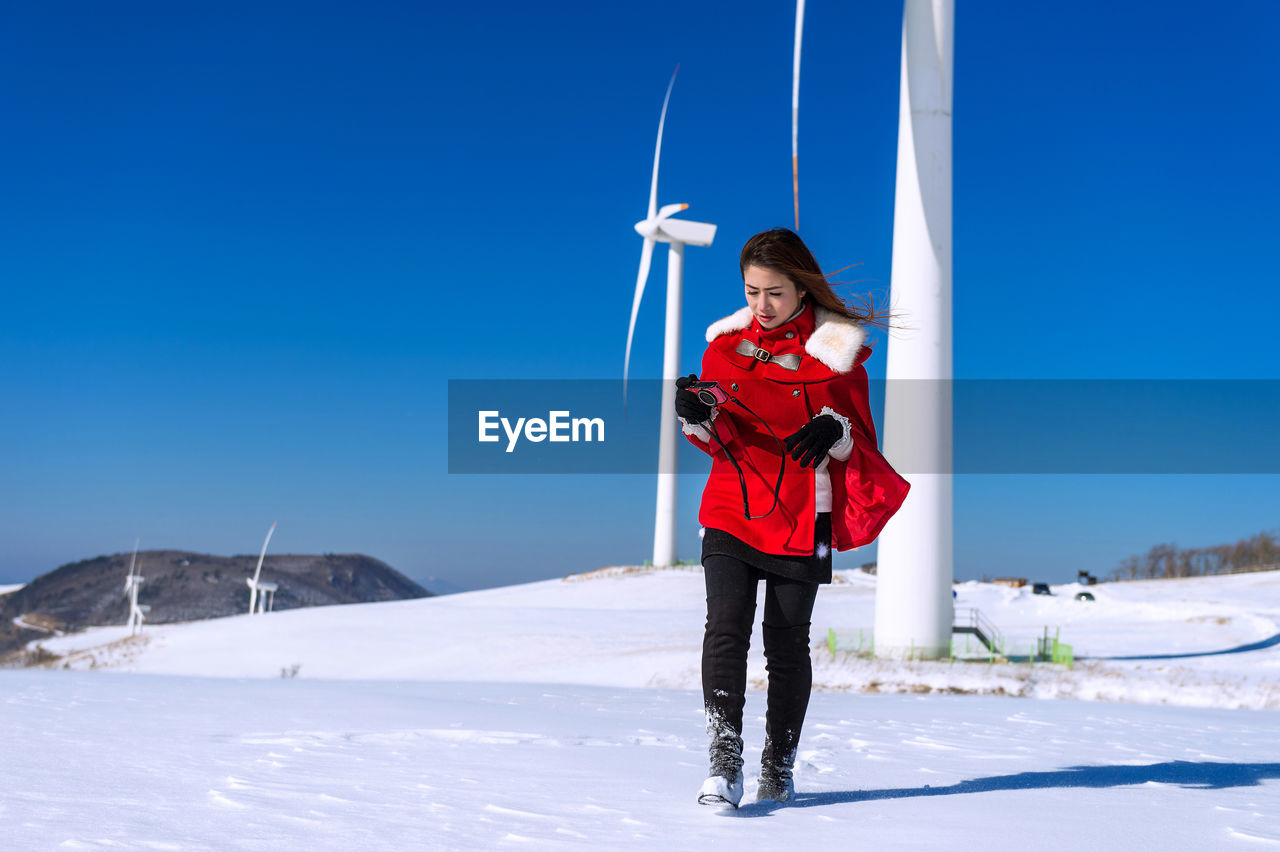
(258,603)
(914,572)
(131,585)
(659,227)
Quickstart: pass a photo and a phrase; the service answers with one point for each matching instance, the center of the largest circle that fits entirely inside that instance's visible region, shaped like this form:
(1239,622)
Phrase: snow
(566,713)
(18,621)
(634,628)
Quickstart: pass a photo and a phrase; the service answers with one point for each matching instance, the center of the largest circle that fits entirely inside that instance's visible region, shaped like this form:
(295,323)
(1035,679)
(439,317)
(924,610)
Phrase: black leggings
(731,607)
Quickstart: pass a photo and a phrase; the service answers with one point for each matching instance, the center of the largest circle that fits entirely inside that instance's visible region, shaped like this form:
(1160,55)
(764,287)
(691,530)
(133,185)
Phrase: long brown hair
(782,250)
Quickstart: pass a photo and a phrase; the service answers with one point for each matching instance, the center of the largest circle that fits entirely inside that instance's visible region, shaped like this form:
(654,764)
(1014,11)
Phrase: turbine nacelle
(663,229)
(648,226)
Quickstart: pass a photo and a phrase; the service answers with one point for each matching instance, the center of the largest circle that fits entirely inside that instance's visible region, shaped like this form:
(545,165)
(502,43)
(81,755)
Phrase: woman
(782,410)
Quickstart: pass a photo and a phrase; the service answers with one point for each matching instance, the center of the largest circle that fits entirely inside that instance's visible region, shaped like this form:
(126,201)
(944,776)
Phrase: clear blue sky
(245,245)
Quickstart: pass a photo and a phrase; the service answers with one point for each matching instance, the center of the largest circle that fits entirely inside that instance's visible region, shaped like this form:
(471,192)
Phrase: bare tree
(1260,552)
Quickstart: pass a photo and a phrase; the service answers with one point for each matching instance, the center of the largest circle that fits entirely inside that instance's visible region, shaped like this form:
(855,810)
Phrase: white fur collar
(835,340)
(736,321)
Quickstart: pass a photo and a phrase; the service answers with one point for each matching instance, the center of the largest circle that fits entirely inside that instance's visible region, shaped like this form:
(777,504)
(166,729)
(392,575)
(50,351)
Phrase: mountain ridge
(182,585)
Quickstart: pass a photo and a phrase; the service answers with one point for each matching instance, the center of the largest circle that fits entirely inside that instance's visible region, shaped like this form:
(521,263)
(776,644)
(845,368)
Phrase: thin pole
(795,112)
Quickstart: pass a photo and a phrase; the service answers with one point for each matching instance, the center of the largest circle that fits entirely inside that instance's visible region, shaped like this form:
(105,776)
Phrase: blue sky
(247,245)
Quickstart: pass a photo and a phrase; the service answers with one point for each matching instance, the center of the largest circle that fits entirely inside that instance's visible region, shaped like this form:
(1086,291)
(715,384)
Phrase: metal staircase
(973,622)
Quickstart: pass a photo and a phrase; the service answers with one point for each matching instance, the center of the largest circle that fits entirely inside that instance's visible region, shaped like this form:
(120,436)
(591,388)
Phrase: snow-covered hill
(1160,641)
(565,713)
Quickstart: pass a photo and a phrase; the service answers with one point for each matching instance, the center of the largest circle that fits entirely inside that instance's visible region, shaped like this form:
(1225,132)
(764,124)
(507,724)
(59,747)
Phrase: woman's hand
(810,443)
(688,406)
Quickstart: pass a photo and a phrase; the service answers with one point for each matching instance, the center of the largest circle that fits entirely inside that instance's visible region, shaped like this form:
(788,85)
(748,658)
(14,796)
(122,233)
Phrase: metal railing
(970,620)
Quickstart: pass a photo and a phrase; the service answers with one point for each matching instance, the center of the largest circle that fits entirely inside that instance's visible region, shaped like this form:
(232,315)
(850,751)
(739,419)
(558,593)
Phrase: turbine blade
(258,571)
(689,233)
(657,151)
(646,255)
(795,112)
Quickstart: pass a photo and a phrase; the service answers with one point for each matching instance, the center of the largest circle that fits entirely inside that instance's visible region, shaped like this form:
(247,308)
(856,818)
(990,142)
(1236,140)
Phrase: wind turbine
(131,585)
(659,227)
(257,604)
(914,607)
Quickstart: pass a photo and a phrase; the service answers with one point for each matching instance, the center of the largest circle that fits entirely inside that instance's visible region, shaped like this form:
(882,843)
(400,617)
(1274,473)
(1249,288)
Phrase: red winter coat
(865,490)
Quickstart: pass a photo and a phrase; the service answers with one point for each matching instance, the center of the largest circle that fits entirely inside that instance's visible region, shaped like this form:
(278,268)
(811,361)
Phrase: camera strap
(742,479)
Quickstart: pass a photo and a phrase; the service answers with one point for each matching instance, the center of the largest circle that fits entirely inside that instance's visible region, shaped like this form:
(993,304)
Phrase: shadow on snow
(1186,774)
(1269,642)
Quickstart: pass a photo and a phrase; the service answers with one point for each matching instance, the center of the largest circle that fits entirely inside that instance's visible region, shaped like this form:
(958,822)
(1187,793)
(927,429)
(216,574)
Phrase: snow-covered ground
(644,629)
(566,713)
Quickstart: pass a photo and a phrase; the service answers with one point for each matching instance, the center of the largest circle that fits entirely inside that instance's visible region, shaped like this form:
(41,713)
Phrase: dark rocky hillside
(181,586)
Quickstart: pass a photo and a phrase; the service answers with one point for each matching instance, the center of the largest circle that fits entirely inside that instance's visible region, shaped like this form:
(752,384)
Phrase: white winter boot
(718,790)
(724,782)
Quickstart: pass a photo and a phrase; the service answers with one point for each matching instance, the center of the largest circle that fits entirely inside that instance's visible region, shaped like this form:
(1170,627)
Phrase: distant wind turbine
(259,603)
(659,227)
(131,585)
(795,112)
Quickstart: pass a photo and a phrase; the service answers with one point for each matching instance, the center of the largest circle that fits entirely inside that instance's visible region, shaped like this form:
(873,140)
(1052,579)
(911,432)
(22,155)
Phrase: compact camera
(709,392)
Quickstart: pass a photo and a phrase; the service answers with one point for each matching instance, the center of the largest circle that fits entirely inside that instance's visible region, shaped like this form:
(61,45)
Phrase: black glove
(688,406)
(812,441)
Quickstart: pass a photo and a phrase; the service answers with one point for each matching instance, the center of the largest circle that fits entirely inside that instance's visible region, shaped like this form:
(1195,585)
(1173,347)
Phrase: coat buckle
(761,355)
